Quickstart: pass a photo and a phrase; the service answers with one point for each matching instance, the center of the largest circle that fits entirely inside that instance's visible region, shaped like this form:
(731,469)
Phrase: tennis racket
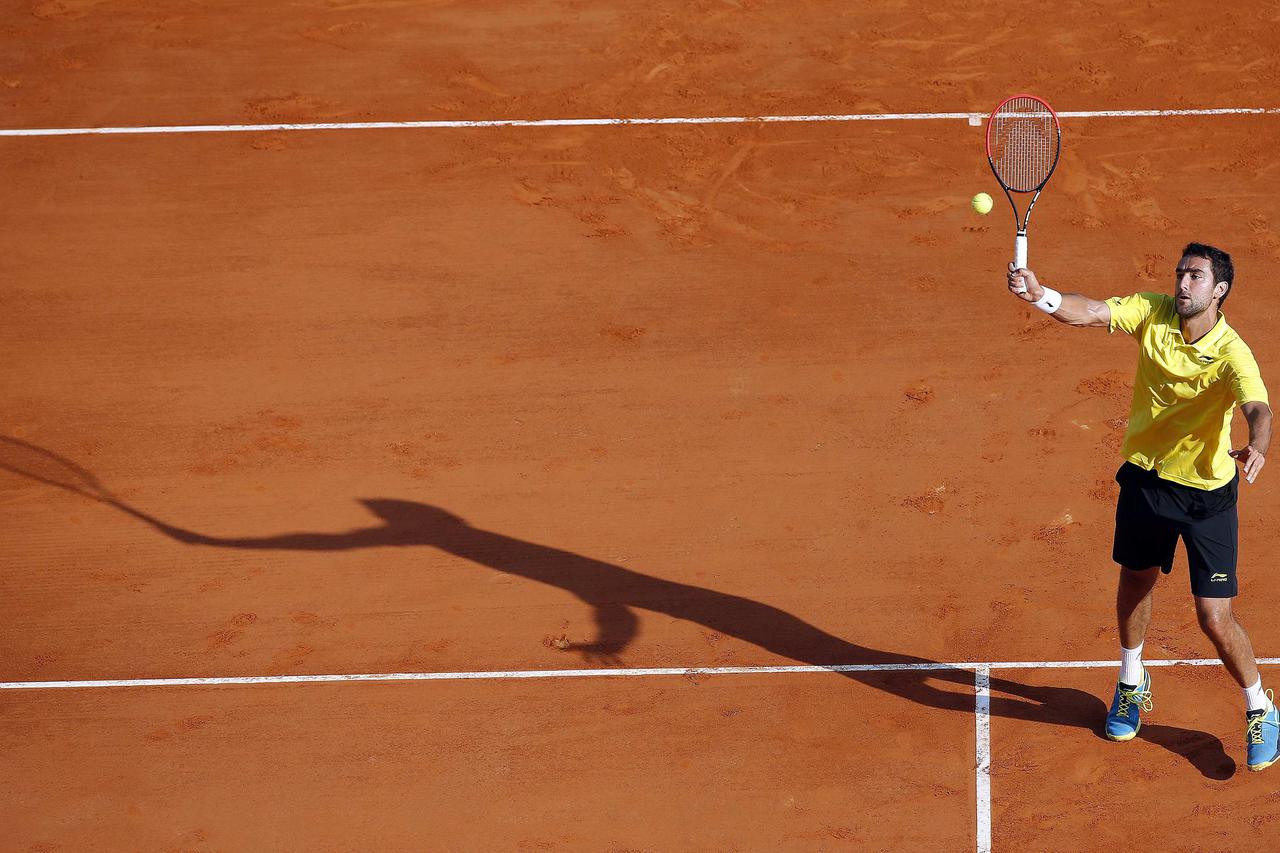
(1024,140)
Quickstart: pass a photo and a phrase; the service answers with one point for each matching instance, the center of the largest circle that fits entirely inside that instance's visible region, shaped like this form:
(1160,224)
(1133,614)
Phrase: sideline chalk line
(982,718)
(487,675)
(974,119)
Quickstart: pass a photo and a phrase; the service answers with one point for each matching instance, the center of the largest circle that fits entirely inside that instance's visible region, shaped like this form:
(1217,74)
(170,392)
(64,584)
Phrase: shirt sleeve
(1128,313)
(1246,379)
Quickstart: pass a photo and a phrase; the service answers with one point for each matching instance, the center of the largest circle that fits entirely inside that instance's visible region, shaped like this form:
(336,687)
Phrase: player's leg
(1262,719)
(1211,558)
(1133,686)
(1220,625)
(1143,547)
(1134,595)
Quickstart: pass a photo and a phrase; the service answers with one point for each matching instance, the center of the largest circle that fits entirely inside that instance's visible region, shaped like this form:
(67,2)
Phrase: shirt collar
(1210,338)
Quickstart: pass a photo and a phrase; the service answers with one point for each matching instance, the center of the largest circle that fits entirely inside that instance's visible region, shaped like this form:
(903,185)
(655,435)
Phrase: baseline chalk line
(496,675)
(971,117)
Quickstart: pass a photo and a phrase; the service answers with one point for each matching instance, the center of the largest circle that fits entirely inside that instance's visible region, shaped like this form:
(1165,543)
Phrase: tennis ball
(982,203)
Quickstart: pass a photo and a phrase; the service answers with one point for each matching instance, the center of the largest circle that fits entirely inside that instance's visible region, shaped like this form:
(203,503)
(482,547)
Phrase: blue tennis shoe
(1262,735)
(1125,717)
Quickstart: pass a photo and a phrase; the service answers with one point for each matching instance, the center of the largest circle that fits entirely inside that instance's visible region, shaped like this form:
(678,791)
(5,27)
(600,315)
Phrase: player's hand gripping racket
(1024,140)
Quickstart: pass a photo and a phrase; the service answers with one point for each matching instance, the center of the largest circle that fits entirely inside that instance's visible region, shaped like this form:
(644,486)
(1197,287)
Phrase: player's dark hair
(1223,269)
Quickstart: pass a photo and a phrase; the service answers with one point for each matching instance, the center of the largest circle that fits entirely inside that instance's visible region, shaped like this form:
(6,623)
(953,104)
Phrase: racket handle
(1020,253)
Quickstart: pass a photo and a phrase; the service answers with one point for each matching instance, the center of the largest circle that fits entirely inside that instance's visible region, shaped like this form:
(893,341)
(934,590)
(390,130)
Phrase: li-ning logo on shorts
(1207,359)
(1217,577)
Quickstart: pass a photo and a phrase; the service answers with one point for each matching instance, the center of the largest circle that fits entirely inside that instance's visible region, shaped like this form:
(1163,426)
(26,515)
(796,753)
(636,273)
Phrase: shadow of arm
(366,538)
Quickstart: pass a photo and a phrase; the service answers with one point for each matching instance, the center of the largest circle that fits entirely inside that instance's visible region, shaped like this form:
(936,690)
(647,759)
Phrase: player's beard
(1189,307)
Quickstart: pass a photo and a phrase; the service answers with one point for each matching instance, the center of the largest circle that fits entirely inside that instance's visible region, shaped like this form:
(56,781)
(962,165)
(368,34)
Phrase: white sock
(1131,666)
(1254,698)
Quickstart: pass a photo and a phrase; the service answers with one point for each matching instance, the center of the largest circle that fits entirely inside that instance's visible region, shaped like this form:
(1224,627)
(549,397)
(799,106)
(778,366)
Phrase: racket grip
(1020,253)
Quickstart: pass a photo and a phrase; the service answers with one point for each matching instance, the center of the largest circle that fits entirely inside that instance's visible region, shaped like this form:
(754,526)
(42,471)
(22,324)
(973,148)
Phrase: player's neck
(1197,326)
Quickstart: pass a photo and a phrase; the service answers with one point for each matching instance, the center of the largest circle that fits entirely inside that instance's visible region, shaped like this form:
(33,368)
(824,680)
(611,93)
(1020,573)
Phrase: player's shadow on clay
(615,593)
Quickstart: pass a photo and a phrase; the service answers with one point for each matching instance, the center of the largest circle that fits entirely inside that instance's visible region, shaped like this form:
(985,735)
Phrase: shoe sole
(1256,767)
(1133,734)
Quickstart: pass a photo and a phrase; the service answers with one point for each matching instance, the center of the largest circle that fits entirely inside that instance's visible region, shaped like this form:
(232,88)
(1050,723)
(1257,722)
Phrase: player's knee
(1217,622)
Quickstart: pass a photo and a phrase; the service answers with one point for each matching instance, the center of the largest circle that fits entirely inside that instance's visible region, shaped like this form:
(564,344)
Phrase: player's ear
(1220,289)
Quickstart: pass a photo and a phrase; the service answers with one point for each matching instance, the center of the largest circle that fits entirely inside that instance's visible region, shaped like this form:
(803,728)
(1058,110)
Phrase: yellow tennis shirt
(1184,393)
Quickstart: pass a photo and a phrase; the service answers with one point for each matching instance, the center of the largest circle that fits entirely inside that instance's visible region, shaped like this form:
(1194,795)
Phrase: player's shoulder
(1233,350)
(1138,311)
(1152,301)
(1232,344)
(1152,310)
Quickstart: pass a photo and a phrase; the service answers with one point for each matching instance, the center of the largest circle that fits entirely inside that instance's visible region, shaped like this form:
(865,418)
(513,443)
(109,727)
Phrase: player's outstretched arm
(1075,310)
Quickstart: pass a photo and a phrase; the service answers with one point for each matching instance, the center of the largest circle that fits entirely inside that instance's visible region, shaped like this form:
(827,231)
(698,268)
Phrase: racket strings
(1024,143)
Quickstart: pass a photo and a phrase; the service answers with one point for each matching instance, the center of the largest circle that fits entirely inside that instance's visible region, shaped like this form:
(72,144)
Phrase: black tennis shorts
(1152,513)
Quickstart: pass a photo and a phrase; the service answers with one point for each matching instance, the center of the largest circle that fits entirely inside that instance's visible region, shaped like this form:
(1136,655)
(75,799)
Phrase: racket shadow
(614,594)
(38,464)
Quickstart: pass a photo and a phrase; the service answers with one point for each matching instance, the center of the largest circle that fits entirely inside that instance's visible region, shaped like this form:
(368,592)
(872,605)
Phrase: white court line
(972,118)
(494,675)
(982,692)
(982,716)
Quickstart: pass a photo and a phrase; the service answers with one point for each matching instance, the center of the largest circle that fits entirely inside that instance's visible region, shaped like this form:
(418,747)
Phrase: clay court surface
(520,399)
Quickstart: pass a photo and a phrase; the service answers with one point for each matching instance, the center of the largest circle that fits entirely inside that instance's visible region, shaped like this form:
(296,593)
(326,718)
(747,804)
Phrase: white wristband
(1050,302)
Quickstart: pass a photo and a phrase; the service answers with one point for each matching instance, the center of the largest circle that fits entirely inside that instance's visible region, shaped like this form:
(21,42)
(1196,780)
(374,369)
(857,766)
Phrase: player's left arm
(1254,455)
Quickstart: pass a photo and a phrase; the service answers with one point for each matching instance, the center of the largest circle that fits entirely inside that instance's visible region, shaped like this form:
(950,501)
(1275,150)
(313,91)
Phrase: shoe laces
(1253,732)
(1136,696)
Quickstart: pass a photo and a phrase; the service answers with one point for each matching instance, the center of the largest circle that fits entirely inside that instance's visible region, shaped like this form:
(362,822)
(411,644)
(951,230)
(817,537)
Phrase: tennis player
(1178,478)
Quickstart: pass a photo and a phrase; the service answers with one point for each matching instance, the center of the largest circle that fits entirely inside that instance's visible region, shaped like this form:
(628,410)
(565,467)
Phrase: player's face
(1193,286)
